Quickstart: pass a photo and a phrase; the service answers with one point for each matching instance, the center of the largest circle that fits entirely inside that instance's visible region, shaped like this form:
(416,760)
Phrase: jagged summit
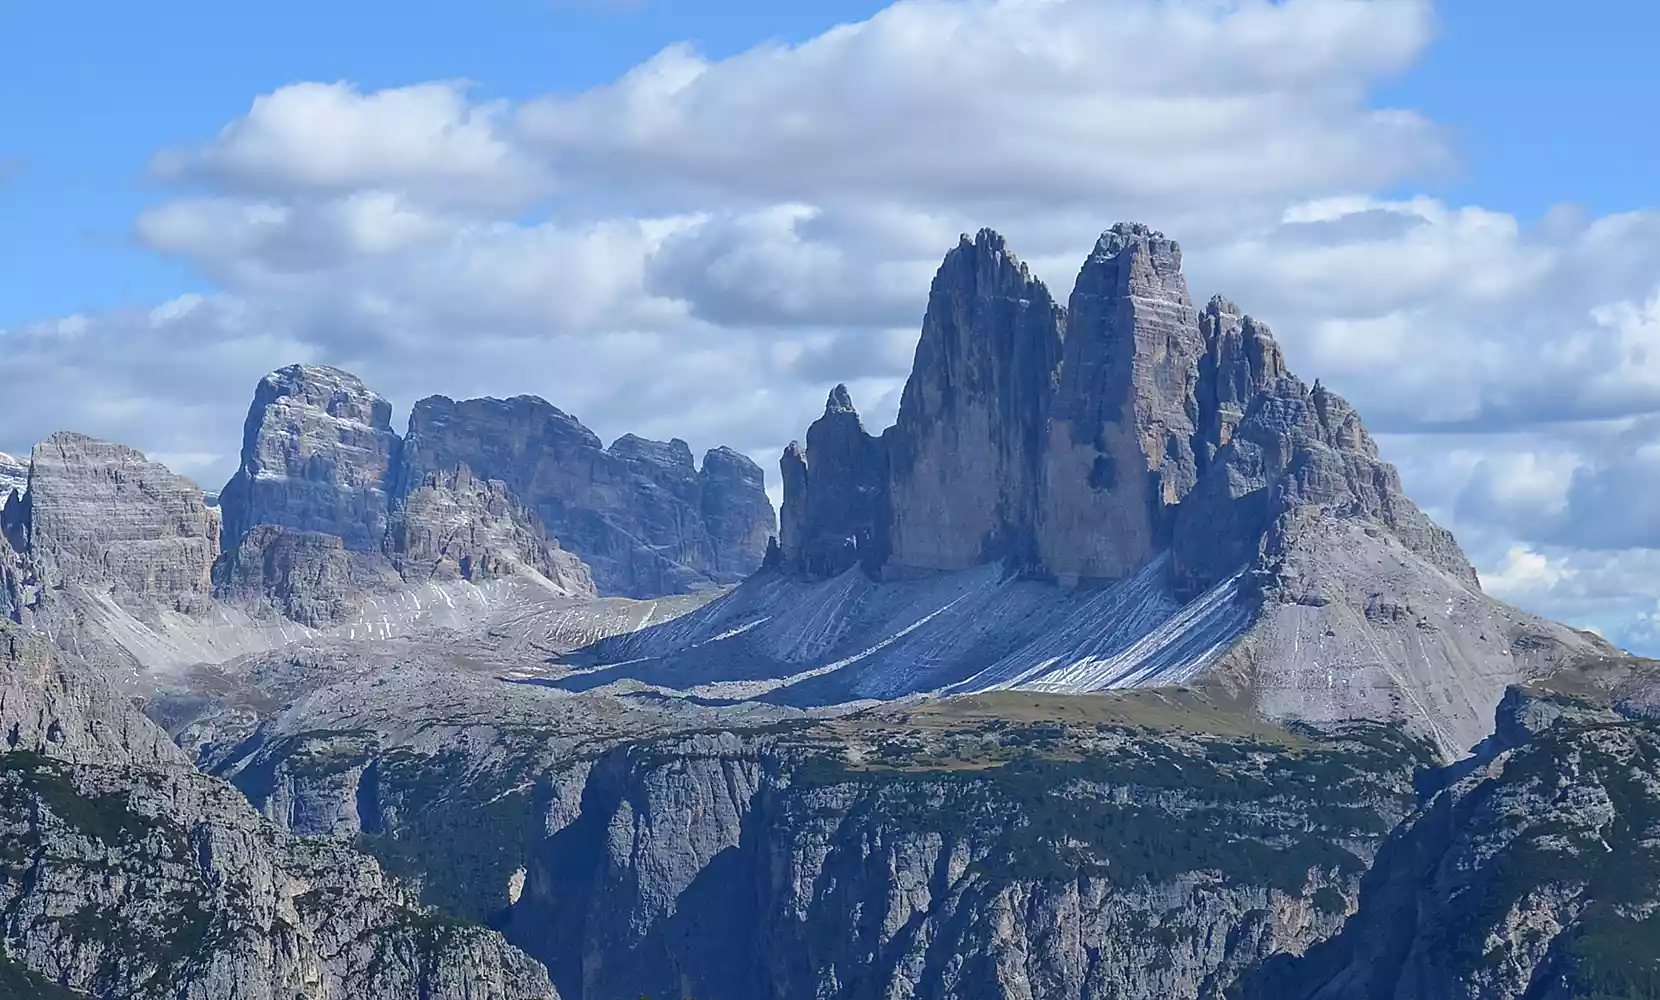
(839,401)
(1226,515)
(320,456)
(640,513)
(965,454)
(1071,442)
(843,520)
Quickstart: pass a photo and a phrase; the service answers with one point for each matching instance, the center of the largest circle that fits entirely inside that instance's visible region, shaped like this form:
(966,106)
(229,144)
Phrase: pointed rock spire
(1241,361)
(966,453)
(839,401)
(1119,452)
(835,494)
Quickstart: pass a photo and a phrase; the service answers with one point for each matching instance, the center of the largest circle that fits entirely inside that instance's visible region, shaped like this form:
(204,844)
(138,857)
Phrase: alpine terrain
(1120,667)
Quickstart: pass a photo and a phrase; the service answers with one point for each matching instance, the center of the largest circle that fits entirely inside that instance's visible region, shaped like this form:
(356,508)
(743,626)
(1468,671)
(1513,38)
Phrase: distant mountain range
(1109,670)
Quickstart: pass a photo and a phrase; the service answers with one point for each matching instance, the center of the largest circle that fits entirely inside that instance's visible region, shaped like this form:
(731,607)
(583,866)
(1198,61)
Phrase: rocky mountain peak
(1119,453)
(966,452)
(318,454)
(336,392)
(1241,362)
(103,518)
(836,507)
(640,513)
(840,401)
(670,454)
(1126,243)
(1084,443)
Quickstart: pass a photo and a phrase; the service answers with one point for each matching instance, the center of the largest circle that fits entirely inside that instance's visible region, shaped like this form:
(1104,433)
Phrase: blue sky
(1546,101)
(1446,211)
(90,91)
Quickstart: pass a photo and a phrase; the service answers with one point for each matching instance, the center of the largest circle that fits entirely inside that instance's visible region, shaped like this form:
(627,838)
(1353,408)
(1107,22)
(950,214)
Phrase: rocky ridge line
(523,486)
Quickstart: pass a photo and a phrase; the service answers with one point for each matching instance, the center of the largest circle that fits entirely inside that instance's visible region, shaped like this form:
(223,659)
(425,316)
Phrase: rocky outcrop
(1241,361)
(482,489)
(737,512)
(1530,876)
(872,859)
(1210,502)
(128,874)
(451,526)
(640,513)
(1085,444)
(966,454)
(1119,454)
(836,505)
(100,519)
(318,454)
(306,576)
(1291,447)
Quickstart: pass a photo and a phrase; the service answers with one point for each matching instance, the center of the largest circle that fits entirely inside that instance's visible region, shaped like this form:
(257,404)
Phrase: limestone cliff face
(730,865)
(1085,444)
(1296,447)
(836,503)
(966,455)
(452,526)
(1241,361)
(128,874)
(481,489)
(318,454)
(737,512)
(1530,876)
(101,519)
(1120,451)
(306,576)
(640,513)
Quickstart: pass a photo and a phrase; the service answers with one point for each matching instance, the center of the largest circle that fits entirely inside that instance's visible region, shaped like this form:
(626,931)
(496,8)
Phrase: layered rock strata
(966,455)
(100,518)
(318,454)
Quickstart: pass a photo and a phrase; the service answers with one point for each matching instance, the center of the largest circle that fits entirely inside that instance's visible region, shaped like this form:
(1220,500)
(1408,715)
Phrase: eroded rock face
(1241,361)
(1530,876)
(836,506)
(1085,444)
(102,518)
(453,526)
(640,513)
(729,865)
(482,489)
(1119,452)
(737,512)
(318,454)
(306,576)
(966,455)
(131,874)
(1296,447)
